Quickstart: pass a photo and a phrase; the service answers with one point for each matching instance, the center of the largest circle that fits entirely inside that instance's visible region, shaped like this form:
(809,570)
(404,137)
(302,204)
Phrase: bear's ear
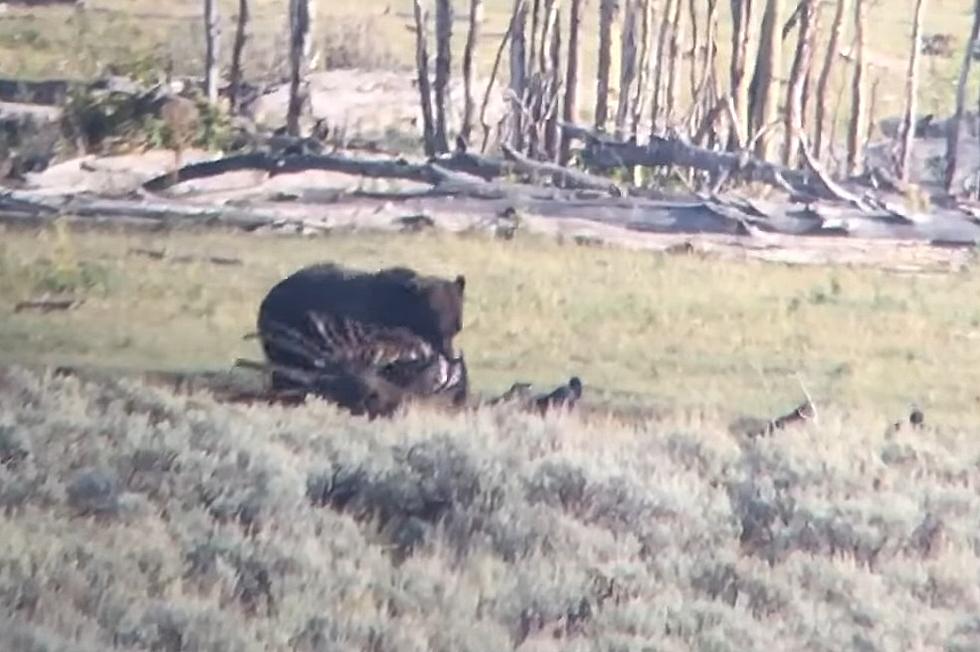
(461,283)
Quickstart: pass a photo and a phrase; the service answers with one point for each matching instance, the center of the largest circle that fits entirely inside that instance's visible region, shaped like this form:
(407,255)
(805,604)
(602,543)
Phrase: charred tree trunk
(238,50)
(444,34)
(570,105)
(907,132)
(763,109)
(823,82)
(794,114)
(422,70)
(953,133)
(855,129)
(739,81)
(212,43)
(518,69)
(607,14)
(299,36)
(469,102)
(627,66)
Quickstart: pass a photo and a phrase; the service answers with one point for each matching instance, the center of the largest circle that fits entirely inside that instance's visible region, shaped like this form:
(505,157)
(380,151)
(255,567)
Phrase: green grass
(672,332)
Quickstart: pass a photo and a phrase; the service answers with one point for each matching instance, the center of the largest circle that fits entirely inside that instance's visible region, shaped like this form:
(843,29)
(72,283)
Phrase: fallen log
(47,305)
(604,153)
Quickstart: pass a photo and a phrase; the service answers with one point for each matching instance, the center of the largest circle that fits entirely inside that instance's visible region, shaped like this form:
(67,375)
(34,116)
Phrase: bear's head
(444,302)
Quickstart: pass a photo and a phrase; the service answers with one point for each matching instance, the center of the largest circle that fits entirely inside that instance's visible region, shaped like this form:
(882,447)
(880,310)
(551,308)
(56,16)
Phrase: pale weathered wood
(237,52)
(907,132)
(953,129)
(570,103)
(422,72)
(518,73)
(858,119)
(794,113)
(607,14)
(823,82)
(469,101)
(212,44)
(742,16)
(444,34)
(299,35)
(628,56)
(763,107)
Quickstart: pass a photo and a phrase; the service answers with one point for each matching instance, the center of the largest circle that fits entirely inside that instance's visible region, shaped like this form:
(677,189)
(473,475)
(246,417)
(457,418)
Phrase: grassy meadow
(666,331)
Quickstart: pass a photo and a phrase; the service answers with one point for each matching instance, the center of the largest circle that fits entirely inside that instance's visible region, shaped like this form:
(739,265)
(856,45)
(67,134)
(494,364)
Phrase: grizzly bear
(429,307)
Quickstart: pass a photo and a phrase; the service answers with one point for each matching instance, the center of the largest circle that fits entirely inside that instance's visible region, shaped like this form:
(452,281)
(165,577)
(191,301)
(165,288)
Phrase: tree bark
(794,115)
(238,50)
(570,104)
(493,77)
(299,36)
(518,80)
(212,42)
(953,133)
(763,109)
(907,132)
(552,134)
(823,82)
(422,70)
(643,65)
(469,106)
(855,129)
(659,78)
(742,17)
(675,72)
(627,66)
(444,33)
(607,14)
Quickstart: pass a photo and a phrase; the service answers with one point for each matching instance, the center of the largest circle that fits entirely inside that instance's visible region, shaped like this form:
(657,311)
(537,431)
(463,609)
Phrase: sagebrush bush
(135,519)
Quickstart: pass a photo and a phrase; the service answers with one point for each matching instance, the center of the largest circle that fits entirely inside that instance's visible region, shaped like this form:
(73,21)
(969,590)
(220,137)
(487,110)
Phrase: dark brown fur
(428,308)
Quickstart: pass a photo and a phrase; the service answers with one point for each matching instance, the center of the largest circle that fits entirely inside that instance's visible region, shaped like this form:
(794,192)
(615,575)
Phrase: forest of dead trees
(664,73)
(705,89)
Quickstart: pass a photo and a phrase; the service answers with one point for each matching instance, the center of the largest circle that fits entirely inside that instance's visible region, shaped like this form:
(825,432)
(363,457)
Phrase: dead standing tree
(518,69)
(300,24)
(569,111)
(856,124)
(628,61)
(444,33)
(953,128)
(212,41)
(763,108)
(907,132)
(607,14)
(823,81)
(795,111)
(643,65)
(660,64)
(742,17)
(469,102)
(237,52)
(422,70)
